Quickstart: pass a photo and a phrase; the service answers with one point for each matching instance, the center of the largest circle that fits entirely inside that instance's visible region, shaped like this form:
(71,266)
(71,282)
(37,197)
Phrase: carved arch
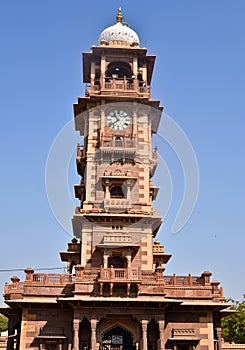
(130,326)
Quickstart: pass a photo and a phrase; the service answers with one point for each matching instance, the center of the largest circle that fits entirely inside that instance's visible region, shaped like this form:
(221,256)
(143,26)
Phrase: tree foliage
(233,326)
(3,323)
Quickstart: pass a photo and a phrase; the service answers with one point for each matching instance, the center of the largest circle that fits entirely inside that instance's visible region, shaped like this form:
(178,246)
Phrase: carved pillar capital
(161,324)
(144,324)
(76,324)
(93,323)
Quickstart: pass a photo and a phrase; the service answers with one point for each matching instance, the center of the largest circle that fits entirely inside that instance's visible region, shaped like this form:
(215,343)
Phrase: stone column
(76,334)
(105,259)
(218,335)
(127,255)
(111,289)
(92,70)
(102,120)
(128,191)
(144,324)
(103,65)
(93,323)
(161,324)
(69,267)
(135,66)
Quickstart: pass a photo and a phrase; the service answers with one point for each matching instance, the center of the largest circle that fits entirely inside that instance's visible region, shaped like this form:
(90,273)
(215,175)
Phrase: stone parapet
(87,281)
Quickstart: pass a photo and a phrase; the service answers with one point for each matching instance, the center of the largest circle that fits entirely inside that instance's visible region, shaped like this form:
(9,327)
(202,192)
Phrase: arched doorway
(116,261)
(152,335)
(117,338)
(84,335)
(119,70)
(116,192)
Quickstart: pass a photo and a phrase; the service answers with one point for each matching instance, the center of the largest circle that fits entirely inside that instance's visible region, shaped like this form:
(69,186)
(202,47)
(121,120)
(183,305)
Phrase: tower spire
(119,15)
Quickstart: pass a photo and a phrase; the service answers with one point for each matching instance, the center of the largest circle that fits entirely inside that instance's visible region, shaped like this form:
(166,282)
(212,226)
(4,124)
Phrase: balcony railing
(37,282)
(158,249)
(117,239)
(232,346)
(115,86)
(116,274)
(119,144)
(117,204)
(45,278)
(184,280)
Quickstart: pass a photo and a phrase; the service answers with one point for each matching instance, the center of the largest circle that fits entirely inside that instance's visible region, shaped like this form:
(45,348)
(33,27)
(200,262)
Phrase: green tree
(233,326)
(3,323)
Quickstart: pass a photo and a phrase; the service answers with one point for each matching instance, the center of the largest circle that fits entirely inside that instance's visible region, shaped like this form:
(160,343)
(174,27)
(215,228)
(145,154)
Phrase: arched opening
(116,261)
(116,192)
(152,335)
(120,290)
(118,141)
(119,70)
(106,289)
(84,335)
(117,338)
(72,268)
(133,290)
(97,78)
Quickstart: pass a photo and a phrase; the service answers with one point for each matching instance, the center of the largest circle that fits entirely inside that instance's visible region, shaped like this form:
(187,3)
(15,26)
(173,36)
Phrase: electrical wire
(37,269)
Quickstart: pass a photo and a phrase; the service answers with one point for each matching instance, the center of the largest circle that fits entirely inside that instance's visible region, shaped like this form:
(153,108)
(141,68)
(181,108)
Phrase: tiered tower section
(116,222)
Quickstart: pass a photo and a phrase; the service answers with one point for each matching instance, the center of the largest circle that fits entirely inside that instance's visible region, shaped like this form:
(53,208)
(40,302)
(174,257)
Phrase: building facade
(115,294)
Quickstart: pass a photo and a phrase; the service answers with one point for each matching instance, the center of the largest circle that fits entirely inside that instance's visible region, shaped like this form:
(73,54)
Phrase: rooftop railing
(112,274)
(46,278)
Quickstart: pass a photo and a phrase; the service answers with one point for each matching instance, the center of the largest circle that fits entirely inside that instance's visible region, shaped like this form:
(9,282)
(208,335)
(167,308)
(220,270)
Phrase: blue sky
(199,78)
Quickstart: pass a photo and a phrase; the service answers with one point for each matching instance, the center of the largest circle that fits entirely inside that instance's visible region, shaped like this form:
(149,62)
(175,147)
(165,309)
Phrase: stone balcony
(118,205)
(127,146)
(122,87)
(119,275)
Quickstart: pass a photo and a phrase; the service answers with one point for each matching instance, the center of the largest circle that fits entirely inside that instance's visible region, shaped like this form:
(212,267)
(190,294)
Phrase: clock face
(118,119)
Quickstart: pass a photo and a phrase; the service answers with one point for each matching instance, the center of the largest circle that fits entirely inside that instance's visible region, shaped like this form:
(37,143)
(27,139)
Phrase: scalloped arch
(130,326)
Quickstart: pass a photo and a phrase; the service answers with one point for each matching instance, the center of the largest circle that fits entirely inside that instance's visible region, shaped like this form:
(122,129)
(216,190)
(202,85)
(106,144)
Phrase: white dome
(119,33)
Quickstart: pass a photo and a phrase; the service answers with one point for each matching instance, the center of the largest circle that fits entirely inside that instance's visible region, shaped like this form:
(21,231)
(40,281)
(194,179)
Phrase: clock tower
(115,221)
(115,294)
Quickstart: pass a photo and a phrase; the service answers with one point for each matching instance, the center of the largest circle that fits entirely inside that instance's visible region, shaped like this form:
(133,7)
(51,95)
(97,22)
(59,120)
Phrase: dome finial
(119,15)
